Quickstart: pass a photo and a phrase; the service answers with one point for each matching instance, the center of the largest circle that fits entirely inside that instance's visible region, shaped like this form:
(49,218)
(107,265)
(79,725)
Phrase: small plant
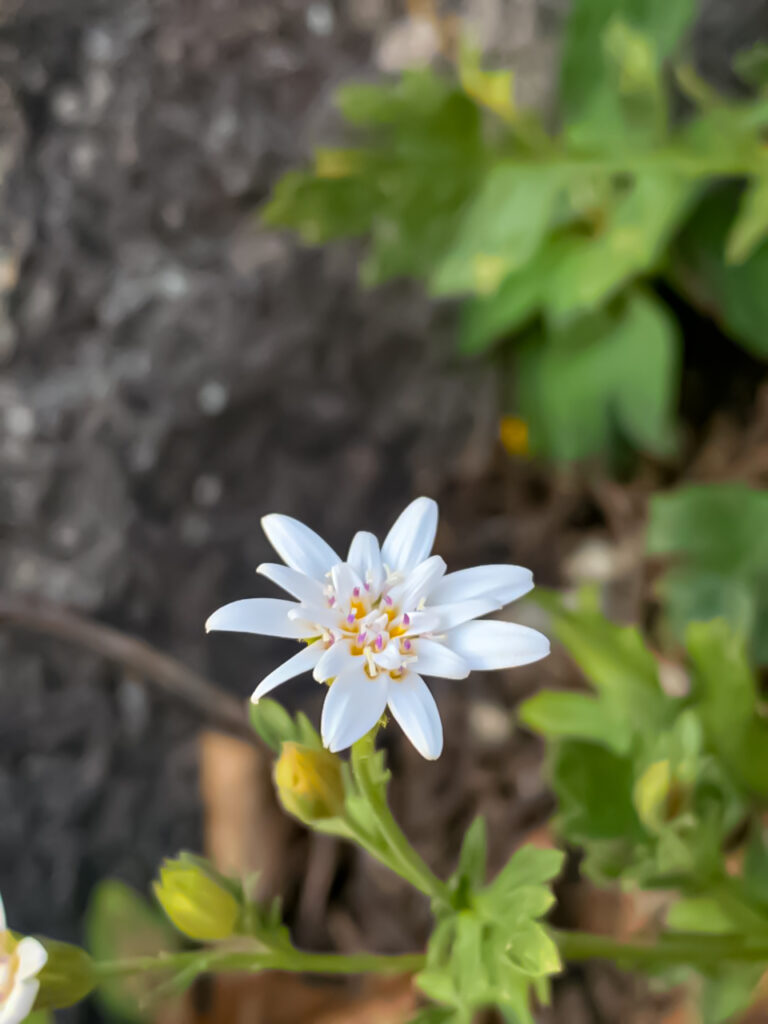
(554,238)
(659,791)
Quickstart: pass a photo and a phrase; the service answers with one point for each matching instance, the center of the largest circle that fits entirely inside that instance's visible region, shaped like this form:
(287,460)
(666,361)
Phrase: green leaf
(700,914)
(491,89)
(579,396)
(725,691)
(274,724)
(752,65)
(733,294)
(119,924)
(530,865)
(575,715)
(532,951)
(615,660)
(595,793)
(501,229)
(750,227)
(471,869)
(716,535)
(630,242)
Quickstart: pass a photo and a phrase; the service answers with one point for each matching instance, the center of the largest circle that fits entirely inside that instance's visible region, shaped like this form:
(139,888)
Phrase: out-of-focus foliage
(549,236)
(655,787)
(715,538)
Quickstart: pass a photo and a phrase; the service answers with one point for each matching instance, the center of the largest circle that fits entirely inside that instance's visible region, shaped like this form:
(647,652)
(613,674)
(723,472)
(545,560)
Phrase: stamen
(406,619)
(407,645)
(351,618)
(379,642)
(331,601)
(367,585)
(361,638)
(356,592)
(387,599)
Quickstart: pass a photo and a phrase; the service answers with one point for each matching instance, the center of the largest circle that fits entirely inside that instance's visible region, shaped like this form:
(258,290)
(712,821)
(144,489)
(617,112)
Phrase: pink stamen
(331,602)
(367,586)
(407,645)
(356,592)
(406,619)
(379,642)
(351,618)
(388,600)
(361,638)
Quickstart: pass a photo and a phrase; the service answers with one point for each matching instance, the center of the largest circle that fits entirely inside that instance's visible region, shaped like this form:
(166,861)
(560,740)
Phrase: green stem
(680,948)
(282,960)
(407,861)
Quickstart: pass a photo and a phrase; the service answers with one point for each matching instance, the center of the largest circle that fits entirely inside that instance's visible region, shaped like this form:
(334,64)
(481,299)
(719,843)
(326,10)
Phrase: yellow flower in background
(198,905)
(20,963)
(514,435)
(309,782)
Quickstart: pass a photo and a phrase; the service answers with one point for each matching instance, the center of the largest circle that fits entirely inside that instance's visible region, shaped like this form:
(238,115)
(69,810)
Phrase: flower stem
(400,855)
(678,948)
(283,960)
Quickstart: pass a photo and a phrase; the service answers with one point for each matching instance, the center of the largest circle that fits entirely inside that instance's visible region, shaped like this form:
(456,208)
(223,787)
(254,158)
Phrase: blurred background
(175,365)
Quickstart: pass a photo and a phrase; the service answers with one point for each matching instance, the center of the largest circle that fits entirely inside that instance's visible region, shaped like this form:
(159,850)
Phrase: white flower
(379,621)
(20,963)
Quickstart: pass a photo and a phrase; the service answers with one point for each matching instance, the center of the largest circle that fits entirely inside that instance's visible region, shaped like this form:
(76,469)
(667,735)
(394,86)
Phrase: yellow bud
(309,782)
(197,904)
(513,433)
(660,796)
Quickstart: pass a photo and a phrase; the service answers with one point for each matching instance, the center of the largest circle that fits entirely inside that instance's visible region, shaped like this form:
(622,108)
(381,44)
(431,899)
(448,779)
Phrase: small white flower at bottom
(378,622)
(20,963)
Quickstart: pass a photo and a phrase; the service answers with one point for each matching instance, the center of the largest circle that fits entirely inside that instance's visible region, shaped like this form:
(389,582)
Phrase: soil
(171,372)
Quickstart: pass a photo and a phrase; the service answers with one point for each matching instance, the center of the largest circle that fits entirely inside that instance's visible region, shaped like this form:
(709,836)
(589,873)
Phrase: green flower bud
(660,795)
(309,783)
(196,901)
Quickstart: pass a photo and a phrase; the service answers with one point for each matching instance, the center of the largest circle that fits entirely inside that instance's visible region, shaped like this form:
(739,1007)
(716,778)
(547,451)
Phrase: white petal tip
(254,699)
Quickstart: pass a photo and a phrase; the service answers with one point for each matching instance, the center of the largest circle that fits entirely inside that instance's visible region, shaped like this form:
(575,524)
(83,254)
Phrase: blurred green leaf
(120,924)
(501,229)
(579,397)
(717,535)
(274,724)
(733,294)
(491,89)
(595,793)
(576,715)
(630,241)
(752,65)
(700,914)
(67,977)
(471,869)
(750,227)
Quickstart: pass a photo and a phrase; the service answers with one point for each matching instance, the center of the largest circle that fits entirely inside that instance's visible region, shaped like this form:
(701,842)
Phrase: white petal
(389,658)
(423,622)
(418,583)
(451,615)
(32,958)
(345,581)
(298,546)
(318,615)
(305,588)
(353,706)
(304,661)
(365,558)
(435,659)
(267,616)
(334,661)
(411,538)
(19,1003)
(3,925)
(415,710)
(504,582)
(492,645)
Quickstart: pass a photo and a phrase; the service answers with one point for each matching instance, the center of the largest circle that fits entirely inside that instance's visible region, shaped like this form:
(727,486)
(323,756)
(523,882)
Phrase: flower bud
(197,903)
(660,796)
(309,783)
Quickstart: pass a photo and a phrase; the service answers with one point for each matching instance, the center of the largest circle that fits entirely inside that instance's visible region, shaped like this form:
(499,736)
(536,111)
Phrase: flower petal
(435,659)
(504,582)
(345,581)
(353,706)
(418,583)
(365,558)
(32,958)
(298,546)
(411,538)
(491,645)
(451,615)
(304,587)
(267,616)
(2,915)
(415,710)
(19,1003)
(335,660)
(423,622)
(304,661)
(390,658)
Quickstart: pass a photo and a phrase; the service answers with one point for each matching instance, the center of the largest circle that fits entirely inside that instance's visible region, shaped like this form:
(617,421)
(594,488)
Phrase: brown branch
(168,675)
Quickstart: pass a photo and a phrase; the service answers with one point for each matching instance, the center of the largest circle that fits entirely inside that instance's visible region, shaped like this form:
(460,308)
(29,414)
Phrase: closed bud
(198,903)
(309,783)
(660,796)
